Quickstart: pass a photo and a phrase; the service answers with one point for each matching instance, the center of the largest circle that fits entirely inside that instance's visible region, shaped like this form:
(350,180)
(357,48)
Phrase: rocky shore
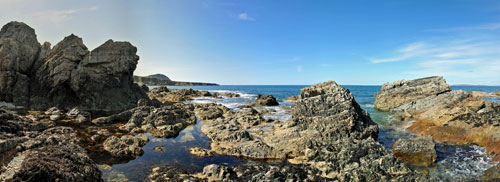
(453,116)
(74,108)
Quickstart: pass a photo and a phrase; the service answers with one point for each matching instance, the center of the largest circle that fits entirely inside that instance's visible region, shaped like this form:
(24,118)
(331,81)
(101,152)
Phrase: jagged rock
(400,92)
(18,52)
(455,116)
(38,151)
(126,146)
(66,162)
(210,111)
(265,100)
(78,116)
(166,121)
(216,172)
(420,151)
(163,94)
(67,76)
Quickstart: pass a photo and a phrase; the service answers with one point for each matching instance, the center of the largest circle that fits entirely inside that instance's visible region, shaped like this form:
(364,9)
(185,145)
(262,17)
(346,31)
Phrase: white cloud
(59,16)
(245,17)
(299,68)
(463,61)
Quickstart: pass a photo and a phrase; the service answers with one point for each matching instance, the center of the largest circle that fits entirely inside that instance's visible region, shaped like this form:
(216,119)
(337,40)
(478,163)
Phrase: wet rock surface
(68,75)
(126,146)
(420,151)
(163,94)
(40,151)
(237,173)
(164,121)
(453,116)
(328,133)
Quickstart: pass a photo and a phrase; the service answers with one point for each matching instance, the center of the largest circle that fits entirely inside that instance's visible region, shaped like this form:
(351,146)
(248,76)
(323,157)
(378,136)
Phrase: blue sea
(455,162)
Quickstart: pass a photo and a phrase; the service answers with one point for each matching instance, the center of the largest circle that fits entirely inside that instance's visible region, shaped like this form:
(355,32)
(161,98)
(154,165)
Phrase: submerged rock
(67,76)
(420,151)
(455,116)
(200,152)
(265,100)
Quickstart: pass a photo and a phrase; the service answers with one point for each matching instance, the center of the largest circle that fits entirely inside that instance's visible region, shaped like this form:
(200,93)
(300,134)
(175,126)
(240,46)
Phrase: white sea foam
(368,105)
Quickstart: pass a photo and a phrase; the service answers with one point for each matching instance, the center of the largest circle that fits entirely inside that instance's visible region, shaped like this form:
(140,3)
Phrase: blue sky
(284,42)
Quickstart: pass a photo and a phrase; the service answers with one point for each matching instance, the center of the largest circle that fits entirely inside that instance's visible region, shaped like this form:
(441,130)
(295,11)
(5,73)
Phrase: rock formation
(37,151)
(265,100)
(126,146)
(162,80)
(420,151)
(68,75)
(328,133)
(454,116)
(163,94)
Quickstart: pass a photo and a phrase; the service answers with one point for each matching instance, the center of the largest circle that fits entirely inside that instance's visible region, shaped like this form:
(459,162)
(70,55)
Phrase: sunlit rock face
(68,75)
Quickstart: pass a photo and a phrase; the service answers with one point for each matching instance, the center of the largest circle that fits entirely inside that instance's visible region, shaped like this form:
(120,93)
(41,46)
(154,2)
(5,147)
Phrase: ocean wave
(242,94)
(368,105)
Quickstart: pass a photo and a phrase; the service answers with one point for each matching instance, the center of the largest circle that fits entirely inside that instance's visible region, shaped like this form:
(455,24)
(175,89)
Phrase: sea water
(454,162)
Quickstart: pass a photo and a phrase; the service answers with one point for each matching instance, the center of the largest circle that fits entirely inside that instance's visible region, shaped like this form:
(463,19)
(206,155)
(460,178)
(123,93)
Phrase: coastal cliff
(162,80)
(453,116)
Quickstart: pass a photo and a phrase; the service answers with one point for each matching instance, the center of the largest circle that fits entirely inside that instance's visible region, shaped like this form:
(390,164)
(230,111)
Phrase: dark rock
(67,76)
(210,111)
(66,162)
(265,100)
(420,151)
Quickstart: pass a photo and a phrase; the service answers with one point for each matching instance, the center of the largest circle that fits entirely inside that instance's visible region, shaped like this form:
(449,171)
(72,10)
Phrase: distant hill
(159,76)
(162,80)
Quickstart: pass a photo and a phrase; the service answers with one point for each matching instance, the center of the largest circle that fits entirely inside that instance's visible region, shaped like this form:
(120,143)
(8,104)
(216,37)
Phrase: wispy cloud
(59,16)
(470,59)
(488,26)
(245,17)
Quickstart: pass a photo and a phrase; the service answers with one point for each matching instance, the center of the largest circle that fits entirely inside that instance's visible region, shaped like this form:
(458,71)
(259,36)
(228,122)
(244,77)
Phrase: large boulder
(67,76)
(397,93)
(454,116)
(127,146)
(420,151)
(265,100)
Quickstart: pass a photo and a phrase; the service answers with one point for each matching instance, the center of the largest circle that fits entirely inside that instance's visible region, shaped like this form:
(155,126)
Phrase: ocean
(454,162)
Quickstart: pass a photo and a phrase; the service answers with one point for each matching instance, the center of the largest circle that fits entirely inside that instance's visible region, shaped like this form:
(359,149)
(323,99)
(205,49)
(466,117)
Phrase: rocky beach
(72,114)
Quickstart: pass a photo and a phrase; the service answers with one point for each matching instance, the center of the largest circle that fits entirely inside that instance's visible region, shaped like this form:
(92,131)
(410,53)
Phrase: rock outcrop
(165,121)
(126,146)
(163,94)
(397,93)
(37,151)
(216,172)
(265,100)
(453,116)
(420,151)
(328,133)
(68,75)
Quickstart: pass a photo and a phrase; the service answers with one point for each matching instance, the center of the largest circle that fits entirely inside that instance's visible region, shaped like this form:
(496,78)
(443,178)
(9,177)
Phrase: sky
(284,42)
